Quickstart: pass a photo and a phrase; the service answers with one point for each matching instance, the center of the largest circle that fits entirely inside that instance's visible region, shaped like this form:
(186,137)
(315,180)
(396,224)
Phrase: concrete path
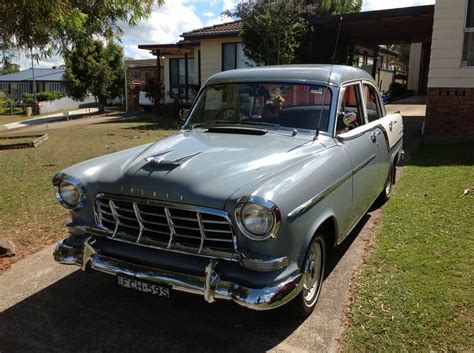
(51,117)
(49,307)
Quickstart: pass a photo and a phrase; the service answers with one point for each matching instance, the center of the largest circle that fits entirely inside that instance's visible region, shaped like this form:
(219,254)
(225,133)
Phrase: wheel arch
(327,224)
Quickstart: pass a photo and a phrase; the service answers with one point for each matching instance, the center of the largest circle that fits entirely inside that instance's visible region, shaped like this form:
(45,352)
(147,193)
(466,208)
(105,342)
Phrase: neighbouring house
(16,84)
(202,53)
(138,73)
(206,51)
(450,102)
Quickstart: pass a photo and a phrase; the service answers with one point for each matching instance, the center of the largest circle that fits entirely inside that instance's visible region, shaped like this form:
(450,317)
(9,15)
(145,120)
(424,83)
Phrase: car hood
(202,168)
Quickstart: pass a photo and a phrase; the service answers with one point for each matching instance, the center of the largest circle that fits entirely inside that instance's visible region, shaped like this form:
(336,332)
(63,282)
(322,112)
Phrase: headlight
(69,191)
(257,218)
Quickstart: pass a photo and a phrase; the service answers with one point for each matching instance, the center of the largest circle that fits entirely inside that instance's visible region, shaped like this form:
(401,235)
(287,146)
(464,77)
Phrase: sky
(167,22)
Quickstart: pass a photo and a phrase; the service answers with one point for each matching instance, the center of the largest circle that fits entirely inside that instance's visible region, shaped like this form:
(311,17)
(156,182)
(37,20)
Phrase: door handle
(390,125)
(374,134)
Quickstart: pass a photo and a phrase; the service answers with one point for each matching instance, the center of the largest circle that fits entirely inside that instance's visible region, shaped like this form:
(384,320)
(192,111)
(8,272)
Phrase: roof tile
(216,30)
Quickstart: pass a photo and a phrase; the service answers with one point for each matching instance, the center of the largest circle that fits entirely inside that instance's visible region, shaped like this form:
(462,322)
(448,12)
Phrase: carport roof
(401,25)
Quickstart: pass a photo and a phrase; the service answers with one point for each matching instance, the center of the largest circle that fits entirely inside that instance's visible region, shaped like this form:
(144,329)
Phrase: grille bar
(185,228)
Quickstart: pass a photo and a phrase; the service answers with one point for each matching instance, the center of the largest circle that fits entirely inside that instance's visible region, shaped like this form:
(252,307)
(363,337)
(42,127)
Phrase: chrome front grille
(164,225)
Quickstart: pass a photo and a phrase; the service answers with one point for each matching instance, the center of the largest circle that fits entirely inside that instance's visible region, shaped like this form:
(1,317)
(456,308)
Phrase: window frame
(342,91)
(180,85)
(380,106)
(464,63)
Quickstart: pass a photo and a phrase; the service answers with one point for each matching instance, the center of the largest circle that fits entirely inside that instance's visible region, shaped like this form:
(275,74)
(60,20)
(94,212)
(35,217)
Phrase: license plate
(144,287)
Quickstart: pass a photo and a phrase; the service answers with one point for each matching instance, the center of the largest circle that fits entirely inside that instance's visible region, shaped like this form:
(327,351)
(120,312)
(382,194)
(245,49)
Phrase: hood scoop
(160,159)
(236,130)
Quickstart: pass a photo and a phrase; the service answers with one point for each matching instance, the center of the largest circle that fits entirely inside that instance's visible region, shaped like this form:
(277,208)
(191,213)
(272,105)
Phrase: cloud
(370,5)
(165,25)
(208,14)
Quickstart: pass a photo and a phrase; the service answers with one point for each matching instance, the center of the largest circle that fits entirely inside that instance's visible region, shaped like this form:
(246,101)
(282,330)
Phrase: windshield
(297,106)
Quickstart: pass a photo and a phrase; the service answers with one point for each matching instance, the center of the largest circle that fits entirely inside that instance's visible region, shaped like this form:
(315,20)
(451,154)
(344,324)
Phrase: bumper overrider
(210,286)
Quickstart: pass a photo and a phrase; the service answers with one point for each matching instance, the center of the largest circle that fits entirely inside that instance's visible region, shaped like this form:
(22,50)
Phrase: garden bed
(21,141)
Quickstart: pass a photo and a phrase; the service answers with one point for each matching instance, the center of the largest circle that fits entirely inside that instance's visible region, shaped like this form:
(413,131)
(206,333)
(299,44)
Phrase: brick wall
(450,113)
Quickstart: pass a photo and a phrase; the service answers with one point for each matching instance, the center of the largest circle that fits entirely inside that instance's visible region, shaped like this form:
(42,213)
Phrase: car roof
(294,73)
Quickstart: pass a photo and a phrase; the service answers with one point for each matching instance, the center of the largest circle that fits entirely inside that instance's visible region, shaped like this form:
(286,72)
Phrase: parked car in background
(273,167)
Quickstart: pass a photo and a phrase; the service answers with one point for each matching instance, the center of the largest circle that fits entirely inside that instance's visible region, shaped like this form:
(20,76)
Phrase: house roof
(293,73)
(40,75)
(221,30)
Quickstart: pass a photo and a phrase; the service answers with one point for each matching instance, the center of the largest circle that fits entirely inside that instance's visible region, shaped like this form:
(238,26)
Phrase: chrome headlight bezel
(274,211)
(62,178)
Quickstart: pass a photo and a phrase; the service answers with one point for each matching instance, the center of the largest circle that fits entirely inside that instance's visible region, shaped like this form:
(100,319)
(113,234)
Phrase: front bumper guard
(210,286)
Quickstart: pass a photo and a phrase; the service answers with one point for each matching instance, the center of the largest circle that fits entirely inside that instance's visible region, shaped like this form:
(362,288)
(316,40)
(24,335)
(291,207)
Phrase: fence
(64,104)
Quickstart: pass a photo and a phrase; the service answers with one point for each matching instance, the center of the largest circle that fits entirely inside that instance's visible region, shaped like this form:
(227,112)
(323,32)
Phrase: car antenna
(333,59)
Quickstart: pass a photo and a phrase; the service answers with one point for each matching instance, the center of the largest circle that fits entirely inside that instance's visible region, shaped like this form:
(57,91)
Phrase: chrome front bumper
(210,286)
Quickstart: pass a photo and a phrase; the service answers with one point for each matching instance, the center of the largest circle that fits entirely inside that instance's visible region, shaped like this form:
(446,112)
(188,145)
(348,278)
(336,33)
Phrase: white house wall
(447,45)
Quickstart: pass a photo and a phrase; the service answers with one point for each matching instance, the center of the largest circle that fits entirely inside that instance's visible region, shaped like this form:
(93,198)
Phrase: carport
(373,28)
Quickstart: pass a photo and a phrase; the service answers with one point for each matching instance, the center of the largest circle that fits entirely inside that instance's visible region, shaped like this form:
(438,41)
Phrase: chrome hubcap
(313,273)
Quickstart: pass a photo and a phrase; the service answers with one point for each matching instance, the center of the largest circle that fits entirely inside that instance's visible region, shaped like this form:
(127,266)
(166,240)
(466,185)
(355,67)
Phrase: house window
(178,78)
(468,50)
(233,57)
(56,87)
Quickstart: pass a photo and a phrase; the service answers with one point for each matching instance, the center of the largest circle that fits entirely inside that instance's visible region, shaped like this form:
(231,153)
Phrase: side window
(350,112)
(372,103)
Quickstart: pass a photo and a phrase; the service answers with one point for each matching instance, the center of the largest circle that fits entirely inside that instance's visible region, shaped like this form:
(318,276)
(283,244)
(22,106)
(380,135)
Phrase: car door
(360,142)
(393,123)
(382,133)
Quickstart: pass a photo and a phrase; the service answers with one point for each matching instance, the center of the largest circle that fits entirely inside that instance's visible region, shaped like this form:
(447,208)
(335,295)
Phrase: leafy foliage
(272,30)
(9,67)
(95,69)
(276,31)
(154,90)
(58,25)
(41,97)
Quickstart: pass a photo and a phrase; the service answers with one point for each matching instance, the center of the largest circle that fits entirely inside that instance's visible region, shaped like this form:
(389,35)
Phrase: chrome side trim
(211,286)
(298,211)
(363,132)
(363,164)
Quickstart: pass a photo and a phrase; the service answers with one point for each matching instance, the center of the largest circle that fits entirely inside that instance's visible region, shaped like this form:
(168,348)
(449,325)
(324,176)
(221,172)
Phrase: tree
(276,31)
(47,26)
(95,69)
(271,30)
(9,67)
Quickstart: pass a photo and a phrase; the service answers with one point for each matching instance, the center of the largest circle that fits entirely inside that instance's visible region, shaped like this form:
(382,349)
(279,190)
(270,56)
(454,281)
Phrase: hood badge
(159,159)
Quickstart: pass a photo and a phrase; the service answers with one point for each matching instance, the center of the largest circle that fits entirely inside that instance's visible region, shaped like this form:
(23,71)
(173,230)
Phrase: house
(206,51)
(450,101)
(16,84)
(201,53)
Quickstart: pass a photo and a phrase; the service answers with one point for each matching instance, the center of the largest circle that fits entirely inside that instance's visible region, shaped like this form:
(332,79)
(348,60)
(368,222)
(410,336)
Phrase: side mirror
(183,114)
(349,119)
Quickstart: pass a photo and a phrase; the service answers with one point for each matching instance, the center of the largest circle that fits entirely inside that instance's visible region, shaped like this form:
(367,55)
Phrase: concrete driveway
(46,307)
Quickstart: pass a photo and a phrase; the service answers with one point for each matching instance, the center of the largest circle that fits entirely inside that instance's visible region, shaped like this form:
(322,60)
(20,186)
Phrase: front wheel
(313,273)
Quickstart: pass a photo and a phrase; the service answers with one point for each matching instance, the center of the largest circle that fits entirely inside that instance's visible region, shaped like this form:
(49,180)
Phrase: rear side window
(372,103)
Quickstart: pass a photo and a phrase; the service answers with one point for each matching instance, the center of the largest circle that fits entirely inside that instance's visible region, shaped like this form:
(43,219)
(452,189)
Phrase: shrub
(28,98)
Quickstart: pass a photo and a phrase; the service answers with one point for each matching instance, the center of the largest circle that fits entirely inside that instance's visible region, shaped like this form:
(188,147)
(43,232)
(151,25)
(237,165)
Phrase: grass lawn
(416,292)
(7,119)
(29,213)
